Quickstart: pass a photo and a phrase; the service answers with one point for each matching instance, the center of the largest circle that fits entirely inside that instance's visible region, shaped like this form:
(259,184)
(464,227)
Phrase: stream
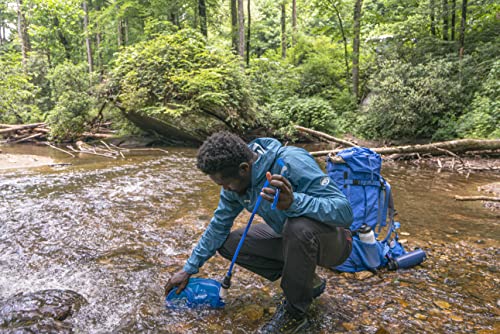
(114,230)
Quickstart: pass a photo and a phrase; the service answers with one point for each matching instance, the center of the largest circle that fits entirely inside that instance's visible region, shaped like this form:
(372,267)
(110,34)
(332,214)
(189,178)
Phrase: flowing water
(114,230)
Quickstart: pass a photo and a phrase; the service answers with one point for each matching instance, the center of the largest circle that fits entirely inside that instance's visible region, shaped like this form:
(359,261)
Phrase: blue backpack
(356,171)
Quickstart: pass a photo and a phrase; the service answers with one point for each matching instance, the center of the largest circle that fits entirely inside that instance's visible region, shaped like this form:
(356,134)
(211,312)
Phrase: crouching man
(309,228)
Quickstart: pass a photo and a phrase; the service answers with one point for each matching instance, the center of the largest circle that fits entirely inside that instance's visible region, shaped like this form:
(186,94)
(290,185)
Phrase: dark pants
(293,256)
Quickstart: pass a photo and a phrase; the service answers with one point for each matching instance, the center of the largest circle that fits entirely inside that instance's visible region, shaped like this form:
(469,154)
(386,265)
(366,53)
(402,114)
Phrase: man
(309,227)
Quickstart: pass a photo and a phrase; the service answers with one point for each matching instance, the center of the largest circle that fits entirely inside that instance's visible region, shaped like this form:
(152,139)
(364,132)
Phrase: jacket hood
(267,149)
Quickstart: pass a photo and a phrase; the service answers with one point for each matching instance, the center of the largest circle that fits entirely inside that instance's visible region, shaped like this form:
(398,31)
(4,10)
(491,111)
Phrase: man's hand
(179,279)
(286,192)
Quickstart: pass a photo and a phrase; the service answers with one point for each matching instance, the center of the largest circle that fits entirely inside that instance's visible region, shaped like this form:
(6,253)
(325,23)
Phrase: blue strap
(362,182)
(386,204)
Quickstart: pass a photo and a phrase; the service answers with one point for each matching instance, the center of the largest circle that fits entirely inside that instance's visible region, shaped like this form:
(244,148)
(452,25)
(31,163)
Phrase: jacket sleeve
(216,232)
(315,195)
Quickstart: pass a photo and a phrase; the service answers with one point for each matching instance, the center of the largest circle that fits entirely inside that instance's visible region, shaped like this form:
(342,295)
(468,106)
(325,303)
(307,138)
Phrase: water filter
(407,260)
(368,247)
(366,234)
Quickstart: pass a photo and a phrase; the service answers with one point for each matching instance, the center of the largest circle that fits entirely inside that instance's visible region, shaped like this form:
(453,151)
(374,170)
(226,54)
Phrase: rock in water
(41,311)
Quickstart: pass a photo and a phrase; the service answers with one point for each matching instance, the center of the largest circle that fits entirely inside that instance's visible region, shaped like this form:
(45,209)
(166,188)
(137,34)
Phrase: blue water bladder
(199,292)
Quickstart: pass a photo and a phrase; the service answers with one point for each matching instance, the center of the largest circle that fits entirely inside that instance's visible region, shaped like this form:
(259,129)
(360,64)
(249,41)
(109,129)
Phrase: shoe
(319,285)
(283,322)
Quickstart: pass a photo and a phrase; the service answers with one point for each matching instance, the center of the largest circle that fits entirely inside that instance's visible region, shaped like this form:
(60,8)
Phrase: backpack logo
(325,181)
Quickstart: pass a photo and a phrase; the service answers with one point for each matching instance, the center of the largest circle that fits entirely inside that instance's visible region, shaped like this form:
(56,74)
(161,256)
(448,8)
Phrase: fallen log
(440,148)
(26,138)
(477,198)
(98,135)
(20,127)
(59,149)
(325,136)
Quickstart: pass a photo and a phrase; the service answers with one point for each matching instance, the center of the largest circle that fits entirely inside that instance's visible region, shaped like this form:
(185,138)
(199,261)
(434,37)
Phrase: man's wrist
(190,269)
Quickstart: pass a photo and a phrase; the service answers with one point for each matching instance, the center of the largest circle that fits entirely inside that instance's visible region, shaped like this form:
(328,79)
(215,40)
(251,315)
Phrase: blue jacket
(315,196)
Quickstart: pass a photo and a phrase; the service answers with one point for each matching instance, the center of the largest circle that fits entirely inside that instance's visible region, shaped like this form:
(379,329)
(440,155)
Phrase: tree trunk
(234,25)
(432,5)
(120,33)
(241,29)
(462,27)
(98,39)
(202,11)
(283,30)
(22,31)
(440,148)
(445,19)
(248,32)
(453,18)
(344,39)
(125,31)
(324,136)
(294,22)
(87,37)
(355,48)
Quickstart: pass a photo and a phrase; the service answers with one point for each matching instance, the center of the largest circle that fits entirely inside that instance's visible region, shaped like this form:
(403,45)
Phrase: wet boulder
(40,311)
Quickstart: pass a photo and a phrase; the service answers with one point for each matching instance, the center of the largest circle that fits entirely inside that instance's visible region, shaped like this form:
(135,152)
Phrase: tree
(432,8)
(453,18)
(355,47)
(283,29)
(294,21)
(22,31)
(463,23)
(234,25)
(445,20)
(87,37)
(248,32)
(202,11)
(241,29)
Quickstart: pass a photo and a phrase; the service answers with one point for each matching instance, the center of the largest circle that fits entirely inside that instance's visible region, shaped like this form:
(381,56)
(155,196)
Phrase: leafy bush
(413,101)
(74,102)
(483,118)
(17,93)
(312,112)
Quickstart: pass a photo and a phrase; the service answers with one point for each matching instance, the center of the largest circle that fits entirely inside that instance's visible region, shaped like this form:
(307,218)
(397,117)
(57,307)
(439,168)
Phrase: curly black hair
(223,152)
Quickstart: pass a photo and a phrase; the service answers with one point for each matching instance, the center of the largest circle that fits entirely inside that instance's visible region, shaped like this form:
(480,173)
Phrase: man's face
(238,184)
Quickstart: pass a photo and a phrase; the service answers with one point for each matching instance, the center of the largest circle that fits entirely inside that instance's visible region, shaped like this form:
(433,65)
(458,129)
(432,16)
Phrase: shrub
(483,117)
(311,112)
(413,101)
(74,102)
(17,93)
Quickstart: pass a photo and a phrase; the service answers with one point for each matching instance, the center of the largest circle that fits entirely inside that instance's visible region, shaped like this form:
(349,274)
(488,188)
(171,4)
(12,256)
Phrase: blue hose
(226,282)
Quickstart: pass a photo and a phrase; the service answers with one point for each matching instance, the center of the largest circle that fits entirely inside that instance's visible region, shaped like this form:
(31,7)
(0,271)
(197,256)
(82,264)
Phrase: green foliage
(74,102)
(17,93)
(172,76)
(312,112)
(483,118)
(411,101)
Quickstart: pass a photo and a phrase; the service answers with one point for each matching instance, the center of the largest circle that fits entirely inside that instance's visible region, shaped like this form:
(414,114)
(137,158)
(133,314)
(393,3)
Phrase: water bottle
(407,260)
(370,251)
(366,234)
